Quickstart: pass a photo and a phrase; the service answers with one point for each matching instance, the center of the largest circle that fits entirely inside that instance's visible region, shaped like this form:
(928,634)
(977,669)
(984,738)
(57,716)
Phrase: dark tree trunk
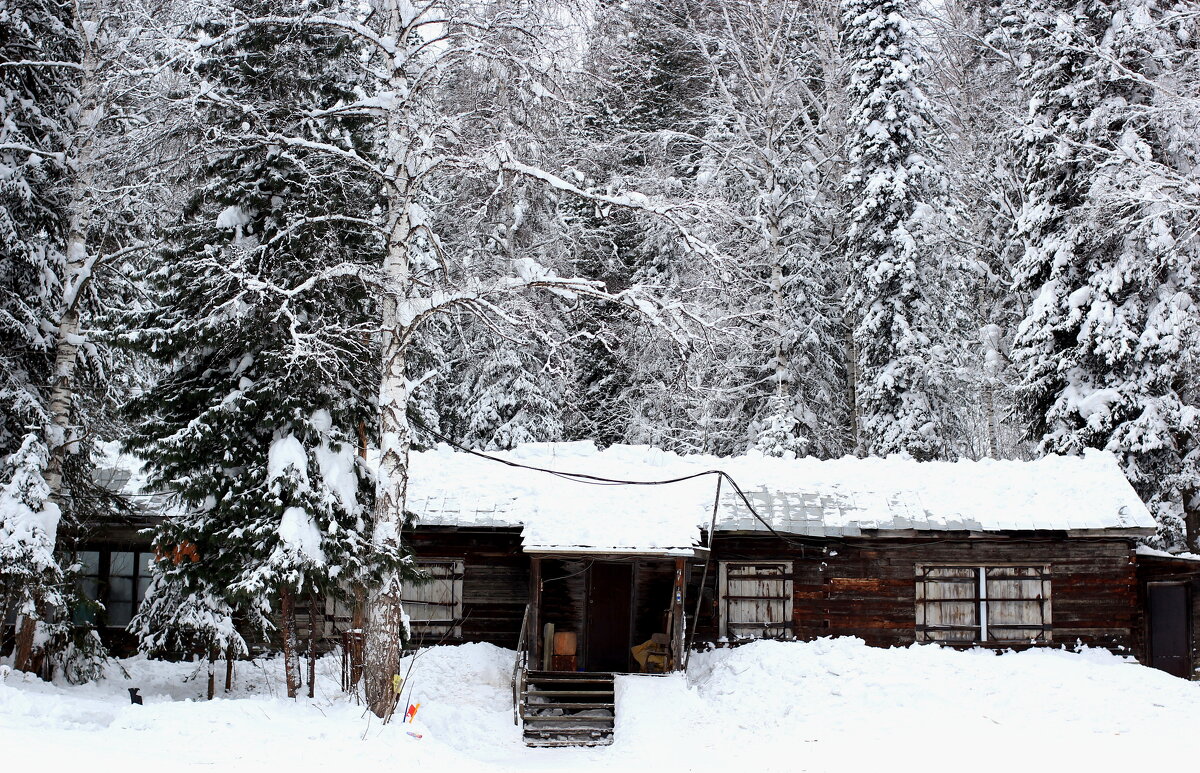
(312,643)
(291,661)
(23,652)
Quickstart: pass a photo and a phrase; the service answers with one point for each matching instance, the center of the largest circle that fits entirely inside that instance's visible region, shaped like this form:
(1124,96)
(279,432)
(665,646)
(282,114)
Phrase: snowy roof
(125,474)
(843,497)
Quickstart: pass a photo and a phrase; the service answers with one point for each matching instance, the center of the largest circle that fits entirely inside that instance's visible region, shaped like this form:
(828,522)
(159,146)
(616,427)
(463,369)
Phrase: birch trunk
(385,632)
(77,272)
(62,435)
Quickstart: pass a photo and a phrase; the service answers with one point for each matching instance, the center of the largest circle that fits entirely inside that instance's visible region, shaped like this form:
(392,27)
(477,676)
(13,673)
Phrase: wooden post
(679,626)
(313,615)
(25,628)
(535,610)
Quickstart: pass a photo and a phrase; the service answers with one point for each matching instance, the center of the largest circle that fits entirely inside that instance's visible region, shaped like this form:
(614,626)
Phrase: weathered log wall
(1165,570)
(864,587)
(495,579)
(867,587)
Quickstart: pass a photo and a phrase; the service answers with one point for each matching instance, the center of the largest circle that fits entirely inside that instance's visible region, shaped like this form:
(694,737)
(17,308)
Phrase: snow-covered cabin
(988,553)
(991,553)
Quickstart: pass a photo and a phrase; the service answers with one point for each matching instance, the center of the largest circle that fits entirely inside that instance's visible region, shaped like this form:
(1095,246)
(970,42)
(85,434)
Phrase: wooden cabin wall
(654,582)
(867,587)
(495,579)
(1159,570)
(564,595)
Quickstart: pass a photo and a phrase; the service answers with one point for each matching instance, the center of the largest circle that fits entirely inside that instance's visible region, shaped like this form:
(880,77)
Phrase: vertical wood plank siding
(868,589)
(495,579)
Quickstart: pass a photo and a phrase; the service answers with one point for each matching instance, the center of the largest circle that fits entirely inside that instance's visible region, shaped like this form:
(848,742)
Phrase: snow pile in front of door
(842,497)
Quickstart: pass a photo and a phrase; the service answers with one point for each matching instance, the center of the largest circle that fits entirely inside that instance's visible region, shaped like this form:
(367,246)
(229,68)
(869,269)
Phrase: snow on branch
(671,213)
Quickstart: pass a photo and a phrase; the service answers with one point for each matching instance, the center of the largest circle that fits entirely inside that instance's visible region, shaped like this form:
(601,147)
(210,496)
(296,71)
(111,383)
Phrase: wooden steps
(561,708)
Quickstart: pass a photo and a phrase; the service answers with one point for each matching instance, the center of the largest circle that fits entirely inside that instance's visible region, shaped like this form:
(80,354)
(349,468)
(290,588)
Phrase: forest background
(249,241)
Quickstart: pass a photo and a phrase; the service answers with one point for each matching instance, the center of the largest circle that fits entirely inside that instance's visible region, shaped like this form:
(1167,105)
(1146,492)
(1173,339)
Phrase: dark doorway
(1169,628)
(610,591)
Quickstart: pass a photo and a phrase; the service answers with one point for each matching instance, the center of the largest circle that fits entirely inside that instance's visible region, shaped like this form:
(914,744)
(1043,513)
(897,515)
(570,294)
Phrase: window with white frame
(434,605)
(756,599)
(978,604)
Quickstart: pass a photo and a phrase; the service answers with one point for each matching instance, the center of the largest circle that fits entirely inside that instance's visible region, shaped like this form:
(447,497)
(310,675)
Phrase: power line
(598,480)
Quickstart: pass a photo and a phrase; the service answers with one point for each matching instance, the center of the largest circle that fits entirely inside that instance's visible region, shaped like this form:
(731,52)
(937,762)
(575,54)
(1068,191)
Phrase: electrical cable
(801,543)
(597,480)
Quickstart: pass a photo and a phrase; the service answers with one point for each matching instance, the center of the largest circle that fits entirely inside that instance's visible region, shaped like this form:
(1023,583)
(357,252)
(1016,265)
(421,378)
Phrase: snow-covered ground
(824,705)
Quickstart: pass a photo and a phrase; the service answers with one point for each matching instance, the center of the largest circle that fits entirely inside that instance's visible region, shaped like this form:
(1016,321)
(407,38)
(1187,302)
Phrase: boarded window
(756,600)
(434,606)
(977,604)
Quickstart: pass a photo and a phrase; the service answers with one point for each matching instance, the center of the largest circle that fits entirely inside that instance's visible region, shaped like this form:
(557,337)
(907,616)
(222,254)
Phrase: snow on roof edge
(838,498)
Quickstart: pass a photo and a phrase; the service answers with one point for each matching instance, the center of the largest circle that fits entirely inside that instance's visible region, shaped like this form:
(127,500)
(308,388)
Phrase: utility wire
(597,480)
(820,542)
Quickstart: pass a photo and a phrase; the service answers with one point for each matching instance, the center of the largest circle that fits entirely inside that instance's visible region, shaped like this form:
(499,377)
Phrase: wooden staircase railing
(521,664)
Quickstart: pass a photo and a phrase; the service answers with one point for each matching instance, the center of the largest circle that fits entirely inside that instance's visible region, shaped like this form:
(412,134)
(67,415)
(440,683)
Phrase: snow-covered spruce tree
(30,575)
(265,327)
(503,400)
(895,303)
(34,123)
(1108,347)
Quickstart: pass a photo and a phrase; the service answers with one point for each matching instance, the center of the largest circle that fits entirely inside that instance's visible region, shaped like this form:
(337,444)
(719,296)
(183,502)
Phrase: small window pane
(120,613)
(91,561)
(143,583)
(85,613)
(121,564)
(90,587)
(120,589)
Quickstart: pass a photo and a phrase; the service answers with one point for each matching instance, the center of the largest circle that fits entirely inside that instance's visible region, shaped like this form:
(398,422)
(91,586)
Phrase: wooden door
(1169,628)
(610,593)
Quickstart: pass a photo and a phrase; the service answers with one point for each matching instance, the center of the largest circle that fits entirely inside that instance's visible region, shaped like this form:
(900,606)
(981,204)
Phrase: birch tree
(420,277)
(74,79)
